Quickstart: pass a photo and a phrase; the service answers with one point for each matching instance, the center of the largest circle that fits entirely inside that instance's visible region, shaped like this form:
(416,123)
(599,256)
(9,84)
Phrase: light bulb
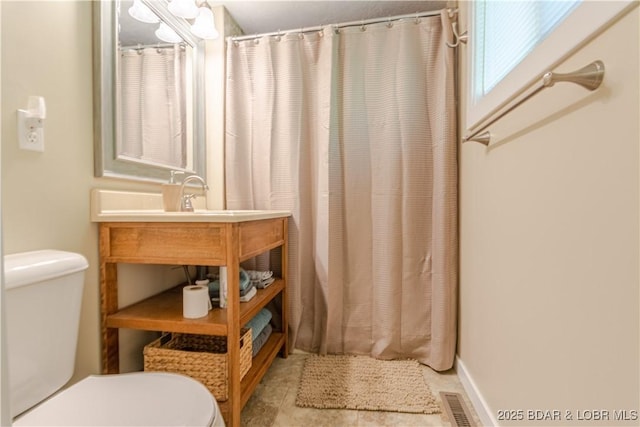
(166,34)
(142,13)
(186,9)
(204,26)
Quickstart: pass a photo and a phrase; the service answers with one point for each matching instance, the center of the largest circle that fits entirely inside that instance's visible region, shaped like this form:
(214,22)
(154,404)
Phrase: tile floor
(273,402)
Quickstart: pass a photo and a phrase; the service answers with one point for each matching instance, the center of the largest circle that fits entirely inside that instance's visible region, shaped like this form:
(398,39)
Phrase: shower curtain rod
(153,46)
(342,25)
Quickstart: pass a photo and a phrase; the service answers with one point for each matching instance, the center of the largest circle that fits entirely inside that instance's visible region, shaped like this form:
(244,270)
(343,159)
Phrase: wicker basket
(202,357)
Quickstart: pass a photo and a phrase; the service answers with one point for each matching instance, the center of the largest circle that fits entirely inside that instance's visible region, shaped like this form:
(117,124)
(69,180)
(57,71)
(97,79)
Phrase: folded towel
(215,294)
(261,279)
(263,284)
(260,340)
(259,275)
(249,295)
(259,321)
(244,283)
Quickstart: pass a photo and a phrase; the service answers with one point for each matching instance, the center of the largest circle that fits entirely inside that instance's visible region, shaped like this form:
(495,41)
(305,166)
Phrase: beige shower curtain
(354,132)
(150,105)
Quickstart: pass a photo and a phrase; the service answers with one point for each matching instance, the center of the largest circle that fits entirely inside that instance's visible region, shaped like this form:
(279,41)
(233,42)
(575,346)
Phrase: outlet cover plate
(30,132)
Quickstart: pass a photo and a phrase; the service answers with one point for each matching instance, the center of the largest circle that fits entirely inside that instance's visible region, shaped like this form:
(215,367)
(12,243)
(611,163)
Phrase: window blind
(507,31)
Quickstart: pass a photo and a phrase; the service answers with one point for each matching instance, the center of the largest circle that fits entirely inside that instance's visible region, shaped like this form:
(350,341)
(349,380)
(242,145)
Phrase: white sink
(124,206)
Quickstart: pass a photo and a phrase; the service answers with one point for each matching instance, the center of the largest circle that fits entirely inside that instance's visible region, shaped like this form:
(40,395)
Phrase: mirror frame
(106,163)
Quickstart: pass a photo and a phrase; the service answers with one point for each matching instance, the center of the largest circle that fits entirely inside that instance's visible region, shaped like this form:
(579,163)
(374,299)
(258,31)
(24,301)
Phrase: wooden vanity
(224,242)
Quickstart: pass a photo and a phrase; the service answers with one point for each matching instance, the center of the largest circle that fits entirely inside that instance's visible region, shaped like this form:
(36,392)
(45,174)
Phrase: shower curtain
(353,131)
(150,105)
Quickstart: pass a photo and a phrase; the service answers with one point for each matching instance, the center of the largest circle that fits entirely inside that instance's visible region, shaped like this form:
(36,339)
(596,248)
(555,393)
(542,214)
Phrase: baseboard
(479,404)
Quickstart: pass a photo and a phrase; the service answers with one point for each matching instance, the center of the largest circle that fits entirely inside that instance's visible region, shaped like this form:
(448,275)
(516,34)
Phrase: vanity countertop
(124,206)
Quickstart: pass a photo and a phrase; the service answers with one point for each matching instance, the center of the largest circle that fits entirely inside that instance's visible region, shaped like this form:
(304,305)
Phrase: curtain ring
(417,20)
(278,36)
(363,27)
(389,23)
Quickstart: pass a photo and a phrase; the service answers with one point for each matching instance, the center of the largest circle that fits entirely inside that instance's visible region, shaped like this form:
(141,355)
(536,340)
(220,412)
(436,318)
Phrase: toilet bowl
(43,291)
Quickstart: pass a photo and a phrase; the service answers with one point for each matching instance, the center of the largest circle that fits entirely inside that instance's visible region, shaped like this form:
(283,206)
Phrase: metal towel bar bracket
(590,77)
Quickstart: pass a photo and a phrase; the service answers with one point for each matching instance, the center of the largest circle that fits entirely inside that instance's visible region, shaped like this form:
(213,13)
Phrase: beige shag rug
(360,382)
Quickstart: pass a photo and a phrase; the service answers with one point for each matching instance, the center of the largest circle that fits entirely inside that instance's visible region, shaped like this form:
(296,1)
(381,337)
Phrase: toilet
(43,295)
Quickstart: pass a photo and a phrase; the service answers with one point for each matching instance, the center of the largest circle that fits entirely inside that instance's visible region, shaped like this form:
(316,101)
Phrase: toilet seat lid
(135,399)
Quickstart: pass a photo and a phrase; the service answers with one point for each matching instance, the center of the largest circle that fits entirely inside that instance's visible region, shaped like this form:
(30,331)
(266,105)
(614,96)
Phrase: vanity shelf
(163,313)
(194,243)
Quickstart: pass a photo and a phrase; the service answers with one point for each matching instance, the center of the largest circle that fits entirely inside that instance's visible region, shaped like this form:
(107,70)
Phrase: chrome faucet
(186,205)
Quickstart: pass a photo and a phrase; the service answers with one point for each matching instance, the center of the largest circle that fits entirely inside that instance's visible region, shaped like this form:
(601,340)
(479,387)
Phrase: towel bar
(590,77)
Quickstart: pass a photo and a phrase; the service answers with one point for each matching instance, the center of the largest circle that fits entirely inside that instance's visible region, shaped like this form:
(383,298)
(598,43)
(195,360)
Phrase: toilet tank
(43,294)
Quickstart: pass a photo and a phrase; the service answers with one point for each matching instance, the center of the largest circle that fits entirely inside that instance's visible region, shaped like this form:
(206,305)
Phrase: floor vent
(457,411)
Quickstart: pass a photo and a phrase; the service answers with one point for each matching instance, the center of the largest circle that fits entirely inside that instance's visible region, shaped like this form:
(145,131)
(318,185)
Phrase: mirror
(148,94)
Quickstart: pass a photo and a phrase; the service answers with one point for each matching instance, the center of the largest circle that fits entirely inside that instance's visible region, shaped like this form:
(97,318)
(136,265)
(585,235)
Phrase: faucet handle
(187,206)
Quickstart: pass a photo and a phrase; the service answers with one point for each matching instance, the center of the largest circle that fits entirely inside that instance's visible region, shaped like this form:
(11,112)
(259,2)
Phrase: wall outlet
(30,132)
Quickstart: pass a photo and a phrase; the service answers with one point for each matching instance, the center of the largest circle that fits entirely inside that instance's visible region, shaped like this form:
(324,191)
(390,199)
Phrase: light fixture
(166,34)
(204,25)
(186,9)
(142,13)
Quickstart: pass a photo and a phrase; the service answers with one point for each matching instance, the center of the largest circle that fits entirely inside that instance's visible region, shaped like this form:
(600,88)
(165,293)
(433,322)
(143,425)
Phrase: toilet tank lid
(29,267)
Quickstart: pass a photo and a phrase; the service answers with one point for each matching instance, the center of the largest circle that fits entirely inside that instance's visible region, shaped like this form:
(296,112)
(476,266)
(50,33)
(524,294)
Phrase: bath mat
(360,382)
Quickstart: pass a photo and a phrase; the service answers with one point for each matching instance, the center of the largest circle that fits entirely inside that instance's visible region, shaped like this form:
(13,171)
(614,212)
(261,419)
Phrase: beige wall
(549,226)
(216,80)
(45,196)
(46,50)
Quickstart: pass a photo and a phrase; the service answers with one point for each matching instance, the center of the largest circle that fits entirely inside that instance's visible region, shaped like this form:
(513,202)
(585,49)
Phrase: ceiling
(257,17)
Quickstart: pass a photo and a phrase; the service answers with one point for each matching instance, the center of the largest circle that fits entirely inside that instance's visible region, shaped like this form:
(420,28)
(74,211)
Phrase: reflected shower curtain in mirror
(150,108)
(354,133)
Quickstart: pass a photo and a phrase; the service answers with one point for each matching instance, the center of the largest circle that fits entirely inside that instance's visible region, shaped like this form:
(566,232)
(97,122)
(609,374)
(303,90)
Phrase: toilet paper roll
(195,301)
